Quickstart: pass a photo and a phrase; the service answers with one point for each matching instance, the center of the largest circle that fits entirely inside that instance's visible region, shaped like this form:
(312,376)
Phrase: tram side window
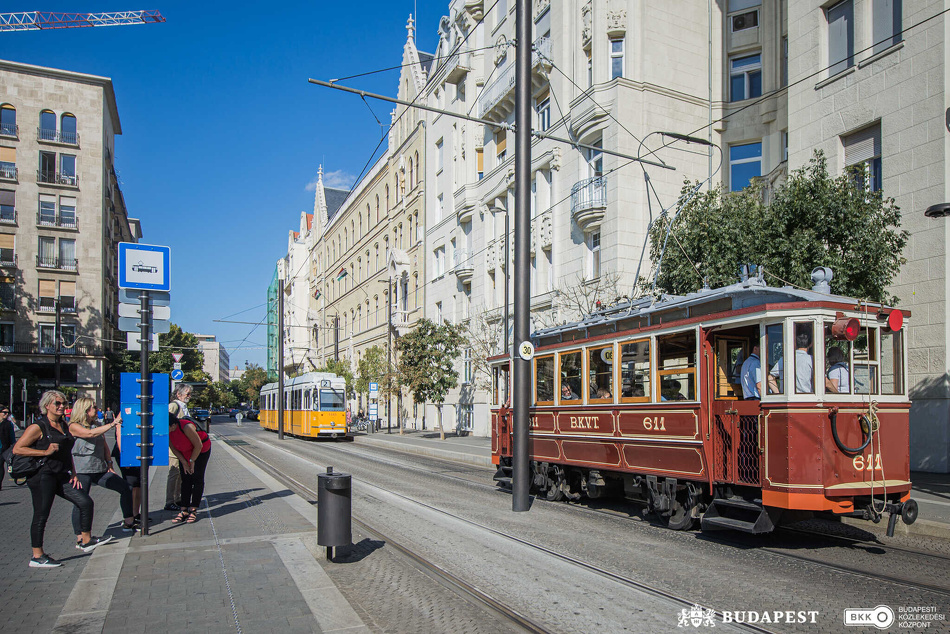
(804,365)
(892,363)
(500,385)
(866,362)
(635,371)
(676,366)
(306,399)
(571,388)
(600,364)
(544,380)
(837,363)
(774,353)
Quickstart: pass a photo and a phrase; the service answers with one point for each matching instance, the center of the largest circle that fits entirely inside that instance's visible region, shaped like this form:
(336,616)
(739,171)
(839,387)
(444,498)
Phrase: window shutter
(501,145)
(862,145)
(7,240)
(480,159)
(47,288)
(67,289)
(7,155)
(7,197)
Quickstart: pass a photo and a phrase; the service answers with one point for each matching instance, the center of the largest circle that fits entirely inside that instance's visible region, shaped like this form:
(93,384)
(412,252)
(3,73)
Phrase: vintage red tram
(646,399)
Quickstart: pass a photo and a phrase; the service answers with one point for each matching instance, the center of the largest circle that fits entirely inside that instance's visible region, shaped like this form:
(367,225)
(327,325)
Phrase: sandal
(192,517)
(181,517)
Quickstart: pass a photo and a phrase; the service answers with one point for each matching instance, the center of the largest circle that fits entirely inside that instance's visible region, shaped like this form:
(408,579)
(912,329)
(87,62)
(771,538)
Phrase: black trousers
(107,480)
(44,486)
(193,484)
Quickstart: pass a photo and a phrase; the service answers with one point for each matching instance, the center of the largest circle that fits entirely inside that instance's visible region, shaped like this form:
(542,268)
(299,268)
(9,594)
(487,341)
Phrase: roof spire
(410,27)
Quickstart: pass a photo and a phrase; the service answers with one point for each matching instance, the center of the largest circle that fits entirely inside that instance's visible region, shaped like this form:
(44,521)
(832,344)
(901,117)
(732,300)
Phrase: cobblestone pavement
(746,575)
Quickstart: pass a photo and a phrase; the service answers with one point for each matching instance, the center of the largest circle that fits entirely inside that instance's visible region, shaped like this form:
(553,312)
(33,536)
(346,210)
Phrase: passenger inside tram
(838,377)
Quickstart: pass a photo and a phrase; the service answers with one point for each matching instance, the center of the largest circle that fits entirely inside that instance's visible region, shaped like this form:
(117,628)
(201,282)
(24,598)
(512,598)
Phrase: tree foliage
(251,382)
(372,368)
(340,367)
(813,219)
(427,360)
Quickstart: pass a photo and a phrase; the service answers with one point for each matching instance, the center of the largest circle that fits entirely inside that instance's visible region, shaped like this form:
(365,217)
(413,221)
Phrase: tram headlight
(846,328)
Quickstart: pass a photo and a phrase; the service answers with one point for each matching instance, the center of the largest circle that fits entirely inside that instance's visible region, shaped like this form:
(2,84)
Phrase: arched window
(377,256)
(67,129)
(346,239)
(387,202)
(377,208)
(47,125)
(416,178)
(353,230)
(8,120)
(359,318)
(411,183)
(376,313)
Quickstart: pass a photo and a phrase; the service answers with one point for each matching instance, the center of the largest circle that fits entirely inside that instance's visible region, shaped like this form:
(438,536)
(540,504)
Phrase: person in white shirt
(751,376)
(173,483)
(804,366)
(839,378)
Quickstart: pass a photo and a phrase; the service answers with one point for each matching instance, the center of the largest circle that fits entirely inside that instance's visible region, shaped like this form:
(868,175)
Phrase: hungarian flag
(316,294)
(341,274)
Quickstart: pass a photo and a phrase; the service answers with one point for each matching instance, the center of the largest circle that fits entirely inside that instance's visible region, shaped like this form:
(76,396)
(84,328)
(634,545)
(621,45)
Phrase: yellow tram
(314,406)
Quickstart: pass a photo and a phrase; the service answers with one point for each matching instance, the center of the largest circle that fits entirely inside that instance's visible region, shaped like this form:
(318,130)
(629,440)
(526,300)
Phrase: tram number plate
(867,463)
(654,424)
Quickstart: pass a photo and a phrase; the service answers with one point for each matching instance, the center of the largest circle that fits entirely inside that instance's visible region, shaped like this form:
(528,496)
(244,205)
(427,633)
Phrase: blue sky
(222,133)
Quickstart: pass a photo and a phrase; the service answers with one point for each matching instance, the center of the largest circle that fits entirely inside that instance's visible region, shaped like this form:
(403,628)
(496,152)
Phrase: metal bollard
(334,505)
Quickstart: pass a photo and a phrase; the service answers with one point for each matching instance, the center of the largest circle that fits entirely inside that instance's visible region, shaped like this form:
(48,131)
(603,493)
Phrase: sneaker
(130,528)
(171,506)
(44,562)
(94,543)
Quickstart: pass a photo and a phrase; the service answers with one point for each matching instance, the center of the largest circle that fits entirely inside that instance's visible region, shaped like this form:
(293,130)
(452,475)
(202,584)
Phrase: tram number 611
(867,463)
(654,424)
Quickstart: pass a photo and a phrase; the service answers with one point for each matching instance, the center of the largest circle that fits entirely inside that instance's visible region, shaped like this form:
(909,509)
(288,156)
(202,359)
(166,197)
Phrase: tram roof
(747,294)
(307,378)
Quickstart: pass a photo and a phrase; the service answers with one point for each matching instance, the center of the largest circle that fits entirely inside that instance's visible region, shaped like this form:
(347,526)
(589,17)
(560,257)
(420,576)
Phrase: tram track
(720,537)
(469,590)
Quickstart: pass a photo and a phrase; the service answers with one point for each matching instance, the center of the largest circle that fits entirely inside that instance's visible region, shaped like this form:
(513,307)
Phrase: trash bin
(334,505)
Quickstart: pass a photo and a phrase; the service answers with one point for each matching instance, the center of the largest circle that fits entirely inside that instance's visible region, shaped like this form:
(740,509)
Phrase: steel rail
(632,583)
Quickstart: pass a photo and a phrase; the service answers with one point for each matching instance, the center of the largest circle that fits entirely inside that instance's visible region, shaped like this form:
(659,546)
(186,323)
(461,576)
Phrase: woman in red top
(193,452)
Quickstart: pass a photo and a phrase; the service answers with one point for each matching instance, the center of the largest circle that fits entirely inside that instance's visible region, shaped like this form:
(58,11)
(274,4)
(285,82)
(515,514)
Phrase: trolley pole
(145,397)
(520,500)
(280,360)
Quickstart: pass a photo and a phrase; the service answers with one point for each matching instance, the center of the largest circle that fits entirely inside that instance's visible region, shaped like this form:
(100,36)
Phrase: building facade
(217,363)
(62,215)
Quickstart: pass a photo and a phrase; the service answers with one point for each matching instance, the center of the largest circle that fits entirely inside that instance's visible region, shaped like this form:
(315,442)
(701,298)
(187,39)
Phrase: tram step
(737,514)
(503,474)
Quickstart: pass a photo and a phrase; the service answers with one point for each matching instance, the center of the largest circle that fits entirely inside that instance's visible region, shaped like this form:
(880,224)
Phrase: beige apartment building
(62,214)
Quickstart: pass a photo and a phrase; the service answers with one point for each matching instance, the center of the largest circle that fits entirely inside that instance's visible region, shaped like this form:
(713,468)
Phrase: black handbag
(23,467)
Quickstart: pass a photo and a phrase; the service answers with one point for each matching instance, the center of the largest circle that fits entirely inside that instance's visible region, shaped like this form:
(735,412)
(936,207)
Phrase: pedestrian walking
(192,447)
(49,440)
(7,437)
(93,462)
(109,416)
(173,483)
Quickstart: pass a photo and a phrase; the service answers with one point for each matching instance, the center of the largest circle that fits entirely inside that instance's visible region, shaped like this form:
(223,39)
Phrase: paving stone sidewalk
(249,564)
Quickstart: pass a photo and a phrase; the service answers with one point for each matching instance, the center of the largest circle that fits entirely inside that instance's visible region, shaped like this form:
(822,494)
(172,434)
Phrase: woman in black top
(49,439)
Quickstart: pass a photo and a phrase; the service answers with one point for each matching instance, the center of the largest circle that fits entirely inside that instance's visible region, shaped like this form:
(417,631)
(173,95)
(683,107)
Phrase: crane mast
(40,20)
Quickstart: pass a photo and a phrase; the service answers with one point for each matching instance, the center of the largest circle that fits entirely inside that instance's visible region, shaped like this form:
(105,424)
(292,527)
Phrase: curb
(448,454)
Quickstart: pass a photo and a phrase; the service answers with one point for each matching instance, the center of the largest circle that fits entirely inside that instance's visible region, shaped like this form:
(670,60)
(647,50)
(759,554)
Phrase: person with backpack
(192,447)
(49,440)
(93,462)
(7,438)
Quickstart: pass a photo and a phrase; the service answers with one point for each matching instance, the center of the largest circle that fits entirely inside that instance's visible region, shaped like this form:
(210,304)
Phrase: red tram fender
(743,407)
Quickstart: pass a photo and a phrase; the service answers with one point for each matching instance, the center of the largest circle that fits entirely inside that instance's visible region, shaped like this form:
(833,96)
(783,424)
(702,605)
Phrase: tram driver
(751,375)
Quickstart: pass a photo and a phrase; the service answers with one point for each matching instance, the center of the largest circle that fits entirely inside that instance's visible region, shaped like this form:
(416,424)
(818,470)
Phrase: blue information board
(131,409)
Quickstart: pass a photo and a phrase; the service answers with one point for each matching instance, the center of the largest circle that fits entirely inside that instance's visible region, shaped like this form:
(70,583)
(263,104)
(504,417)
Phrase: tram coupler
(906,511)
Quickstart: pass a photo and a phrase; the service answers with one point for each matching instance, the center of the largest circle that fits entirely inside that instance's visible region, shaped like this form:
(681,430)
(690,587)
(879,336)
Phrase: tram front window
(866,362)
(892,363)
(331,401)
(837,364)
(804,369)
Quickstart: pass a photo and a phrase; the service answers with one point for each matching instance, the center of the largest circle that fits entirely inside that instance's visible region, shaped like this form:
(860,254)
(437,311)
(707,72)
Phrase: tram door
(734,420)
(501,396)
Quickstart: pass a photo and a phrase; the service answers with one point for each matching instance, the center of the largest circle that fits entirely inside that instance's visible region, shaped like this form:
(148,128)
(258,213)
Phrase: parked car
(201,414)
(252,414)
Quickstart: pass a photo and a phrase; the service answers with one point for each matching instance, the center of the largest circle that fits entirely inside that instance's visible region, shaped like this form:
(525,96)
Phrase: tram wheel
(681,519)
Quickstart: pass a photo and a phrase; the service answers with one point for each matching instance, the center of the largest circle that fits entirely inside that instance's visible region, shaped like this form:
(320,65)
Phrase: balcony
(8,171)
(57,136)
(52,178)
(589,202)
(464,265)
(67,305)
(457,66)
(7,215)
(7,259)
(24,347)
(466,199)
(61,220)
(498,99)
(56,262)
(10,129)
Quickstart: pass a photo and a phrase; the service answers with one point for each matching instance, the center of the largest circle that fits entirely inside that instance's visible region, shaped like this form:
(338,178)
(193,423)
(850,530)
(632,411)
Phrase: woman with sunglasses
(49,439)
(93,462)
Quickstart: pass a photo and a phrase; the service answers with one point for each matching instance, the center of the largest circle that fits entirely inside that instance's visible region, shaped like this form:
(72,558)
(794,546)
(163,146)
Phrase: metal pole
(280,361)
(521,459)
(57,328)
(389,356)
(145,397)
(507,347)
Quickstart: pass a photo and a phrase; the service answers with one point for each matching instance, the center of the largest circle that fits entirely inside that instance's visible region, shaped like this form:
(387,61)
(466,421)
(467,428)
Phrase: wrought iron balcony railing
(7,259)
(8,215)
(9,129)
(57,136)
(53,178)
(63,220)
(589,202)
(56,262)
(23,347)
(8,171)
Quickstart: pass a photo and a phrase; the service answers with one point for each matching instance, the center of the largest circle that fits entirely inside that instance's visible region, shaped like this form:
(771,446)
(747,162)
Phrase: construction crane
(40,20)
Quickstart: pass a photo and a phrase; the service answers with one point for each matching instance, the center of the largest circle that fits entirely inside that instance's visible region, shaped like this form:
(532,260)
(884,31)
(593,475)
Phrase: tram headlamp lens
(846,329)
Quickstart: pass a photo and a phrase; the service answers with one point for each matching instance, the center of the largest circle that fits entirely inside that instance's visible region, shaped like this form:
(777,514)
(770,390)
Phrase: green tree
(427,361)
(253,379)
(340,367)
(159,361)
(372,368)
(813,219)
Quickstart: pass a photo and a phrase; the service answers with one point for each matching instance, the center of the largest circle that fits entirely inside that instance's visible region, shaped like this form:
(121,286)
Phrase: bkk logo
(881,617)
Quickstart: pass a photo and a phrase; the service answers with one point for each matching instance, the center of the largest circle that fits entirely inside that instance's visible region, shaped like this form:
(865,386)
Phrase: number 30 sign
(526,350)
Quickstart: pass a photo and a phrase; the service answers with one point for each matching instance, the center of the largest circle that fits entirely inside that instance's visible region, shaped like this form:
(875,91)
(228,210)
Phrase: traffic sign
(526,350)
(176,366)
(177,374)
(374,390)
(155,298)
(373,412)
(131,324)
(144,266)
(132,310)
(177,356)
(132,342)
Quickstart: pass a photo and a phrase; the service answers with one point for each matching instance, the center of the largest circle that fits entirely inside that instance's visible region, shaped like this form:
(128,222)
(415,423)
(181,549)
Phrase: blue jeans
(109,481)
